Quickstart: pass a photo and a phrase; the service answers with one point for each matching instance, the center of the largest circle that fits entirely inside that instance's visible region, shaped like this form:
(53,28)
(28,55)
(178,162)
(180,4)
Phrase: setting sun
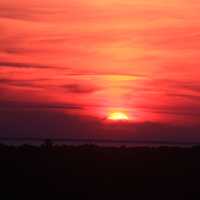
(118,116)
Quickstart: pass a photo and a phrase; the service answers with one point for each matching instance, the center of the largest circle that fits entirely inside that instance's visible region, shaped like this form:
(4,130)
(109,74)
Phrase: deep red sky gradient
(89,58)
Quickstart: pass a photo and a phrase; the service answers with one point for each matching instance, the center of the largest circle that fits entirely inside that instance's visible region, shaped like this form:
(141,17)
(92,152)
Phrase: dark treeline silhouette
(92,172)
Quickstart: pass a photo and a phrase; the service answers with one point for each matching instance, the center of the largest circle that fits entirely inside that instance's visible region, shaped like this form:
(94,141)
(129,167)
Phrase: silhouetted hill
(92,172)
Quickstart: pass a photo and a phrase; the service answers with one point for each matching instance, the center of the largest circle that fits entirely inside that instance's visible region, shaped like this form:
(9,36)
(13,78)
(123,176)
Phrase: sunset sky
(67,64)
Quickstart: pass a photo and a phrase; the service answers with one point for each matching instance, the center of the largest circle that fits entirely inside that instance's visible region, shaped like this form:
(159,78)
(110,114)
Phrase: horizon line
(93,140)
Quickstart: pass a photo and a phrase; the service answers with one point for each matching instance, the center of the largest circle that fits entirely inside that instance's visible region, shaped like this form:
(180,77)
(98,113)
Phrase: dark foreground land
(91,172)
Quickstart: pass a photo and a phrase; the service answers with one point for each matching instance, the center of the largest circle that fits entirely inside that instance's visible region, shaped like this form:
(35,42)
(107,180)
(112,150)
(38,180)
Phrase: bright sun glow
(118,116)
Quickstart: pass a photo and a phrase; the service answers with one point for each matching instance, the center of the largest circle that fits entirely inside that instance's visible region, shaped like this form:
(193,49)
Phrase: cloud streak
(23,65)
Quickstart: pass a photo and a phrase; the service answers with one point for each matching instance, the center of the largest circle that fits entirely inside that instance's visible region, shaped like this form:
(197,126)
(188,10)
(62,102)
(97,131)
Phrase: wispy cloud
(28,105)
(77,88)
(24,65)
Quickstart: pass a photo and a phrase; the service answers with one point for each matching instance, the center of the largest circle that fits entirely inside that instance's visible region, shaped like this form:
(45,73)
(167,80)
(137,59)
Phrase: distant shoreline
(104,142)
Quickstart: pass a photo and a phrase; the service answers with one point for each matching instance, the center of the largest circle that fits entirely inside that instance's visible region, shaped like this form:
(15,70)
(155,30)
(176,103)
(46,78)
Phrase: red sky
(90,58)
